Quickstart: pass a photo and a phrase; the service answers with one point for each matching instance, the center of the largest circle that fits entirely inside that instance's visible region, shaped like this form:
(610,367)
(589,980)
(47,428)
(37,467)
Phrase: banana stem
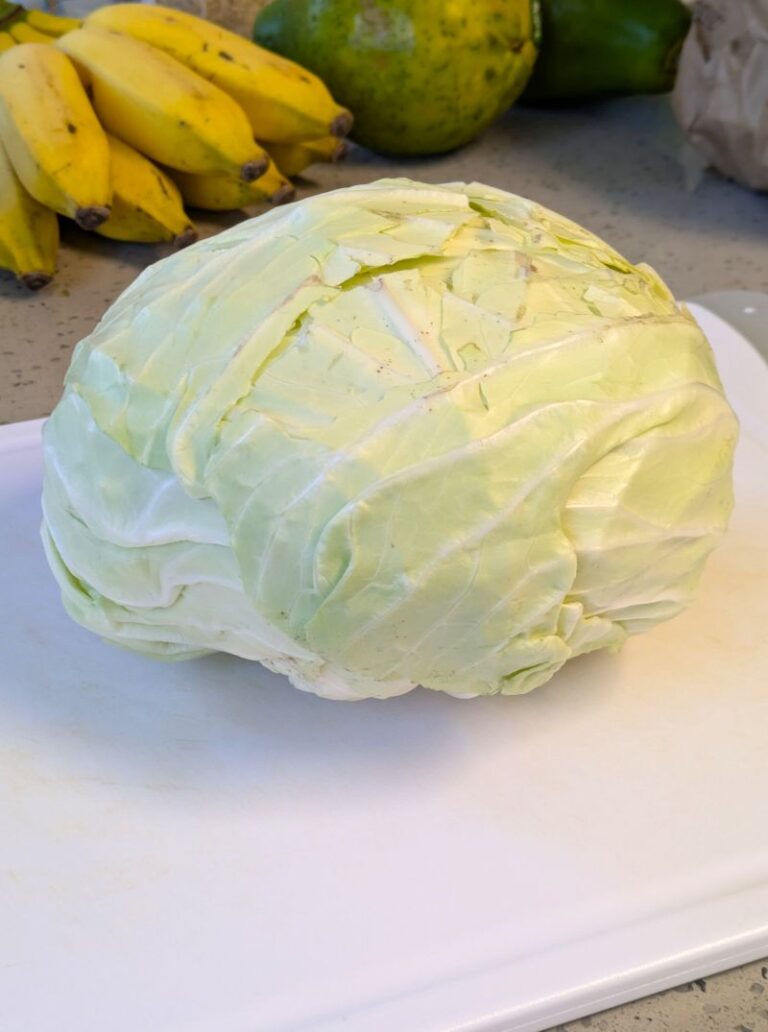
(342,124)
(283,194)
(189,236)
(340,152)
(254,169)
(35,280)
(90,218)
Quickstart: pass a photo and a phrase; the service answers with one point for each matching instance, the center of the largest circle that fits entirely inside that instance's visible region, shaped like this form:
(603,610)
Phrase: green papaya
(420,76)
(600,48)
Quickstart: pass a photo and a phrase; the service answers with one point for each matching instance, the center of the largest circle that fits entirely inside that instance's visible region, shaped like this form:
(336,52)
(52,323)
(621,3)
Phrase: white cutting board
(202,848)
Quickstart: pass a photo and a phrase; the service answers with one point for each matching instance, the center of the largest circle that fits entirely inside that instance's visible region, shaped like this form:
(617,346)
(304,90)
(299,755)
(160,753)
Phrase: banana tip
(90,218)
(340,151)
(342,124)
(35,280)
(254,169)
(185,238)
(283,194)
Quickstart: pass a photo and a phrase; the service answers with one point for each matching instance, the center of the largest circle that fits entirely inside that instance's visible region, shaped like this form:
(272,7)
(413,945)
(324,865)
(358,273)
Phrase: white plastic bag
(721,93)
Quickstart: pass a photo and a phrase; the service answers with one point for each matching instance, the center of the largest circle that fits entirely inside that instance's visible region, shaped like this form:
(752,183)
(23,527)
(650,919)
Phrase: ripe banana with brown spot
(284,102)
(29,232)
(222,192)
(293,158)
(51,134)
(146,204)
(160,107)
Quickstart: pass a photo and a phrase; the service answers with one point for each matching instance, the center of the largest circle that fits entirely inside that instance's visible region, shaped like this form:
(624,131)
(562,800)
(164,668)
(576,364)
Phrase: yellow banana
(283,101)
(52,24)
(29,232)
(53,139)
(221,192)
(161,108)
(6,41)
(146,203)
(295,157)
(23,32)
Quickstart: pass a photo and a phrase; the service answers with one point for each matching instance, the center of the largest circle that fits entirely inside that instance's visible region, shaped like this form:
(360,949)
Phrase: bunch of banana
(118,121)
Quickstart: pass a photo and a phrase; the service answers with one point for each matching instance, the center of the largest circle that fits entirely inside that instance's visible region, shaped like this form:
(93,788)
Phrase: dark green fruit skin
(420,76)
(600,48)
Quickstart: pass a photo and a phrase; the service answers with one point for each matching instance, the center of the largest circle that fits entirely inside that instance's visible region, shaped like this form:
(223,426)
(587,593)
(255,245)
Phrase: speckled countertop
(735,1001)
(613,167)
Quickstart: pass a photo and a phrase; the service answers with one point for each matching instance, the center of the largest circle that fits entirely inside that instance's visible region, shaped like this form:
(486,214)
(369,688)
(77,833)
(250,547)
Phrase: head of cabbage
(393,435)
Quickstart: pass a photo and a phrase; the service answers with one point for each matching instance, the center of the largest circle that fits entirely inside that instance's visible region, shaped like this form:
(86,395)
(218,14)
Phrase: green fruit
(596,48)
(420,76)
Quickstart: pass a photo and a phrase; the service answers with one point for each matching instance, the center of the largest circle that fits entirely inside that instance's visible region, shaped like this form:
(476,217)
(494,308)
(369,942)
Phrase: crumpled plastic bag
(721,93)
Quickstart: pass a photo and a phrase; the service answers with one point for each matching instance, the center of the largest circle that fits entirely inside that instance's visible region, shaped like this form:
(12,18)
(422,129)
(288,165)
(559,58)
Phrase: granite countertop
(613,167)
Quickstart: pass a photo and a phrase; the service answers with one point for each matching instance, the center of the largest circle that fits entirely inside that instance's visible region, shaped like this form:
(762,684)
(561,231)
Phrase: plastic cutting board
(202,848)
